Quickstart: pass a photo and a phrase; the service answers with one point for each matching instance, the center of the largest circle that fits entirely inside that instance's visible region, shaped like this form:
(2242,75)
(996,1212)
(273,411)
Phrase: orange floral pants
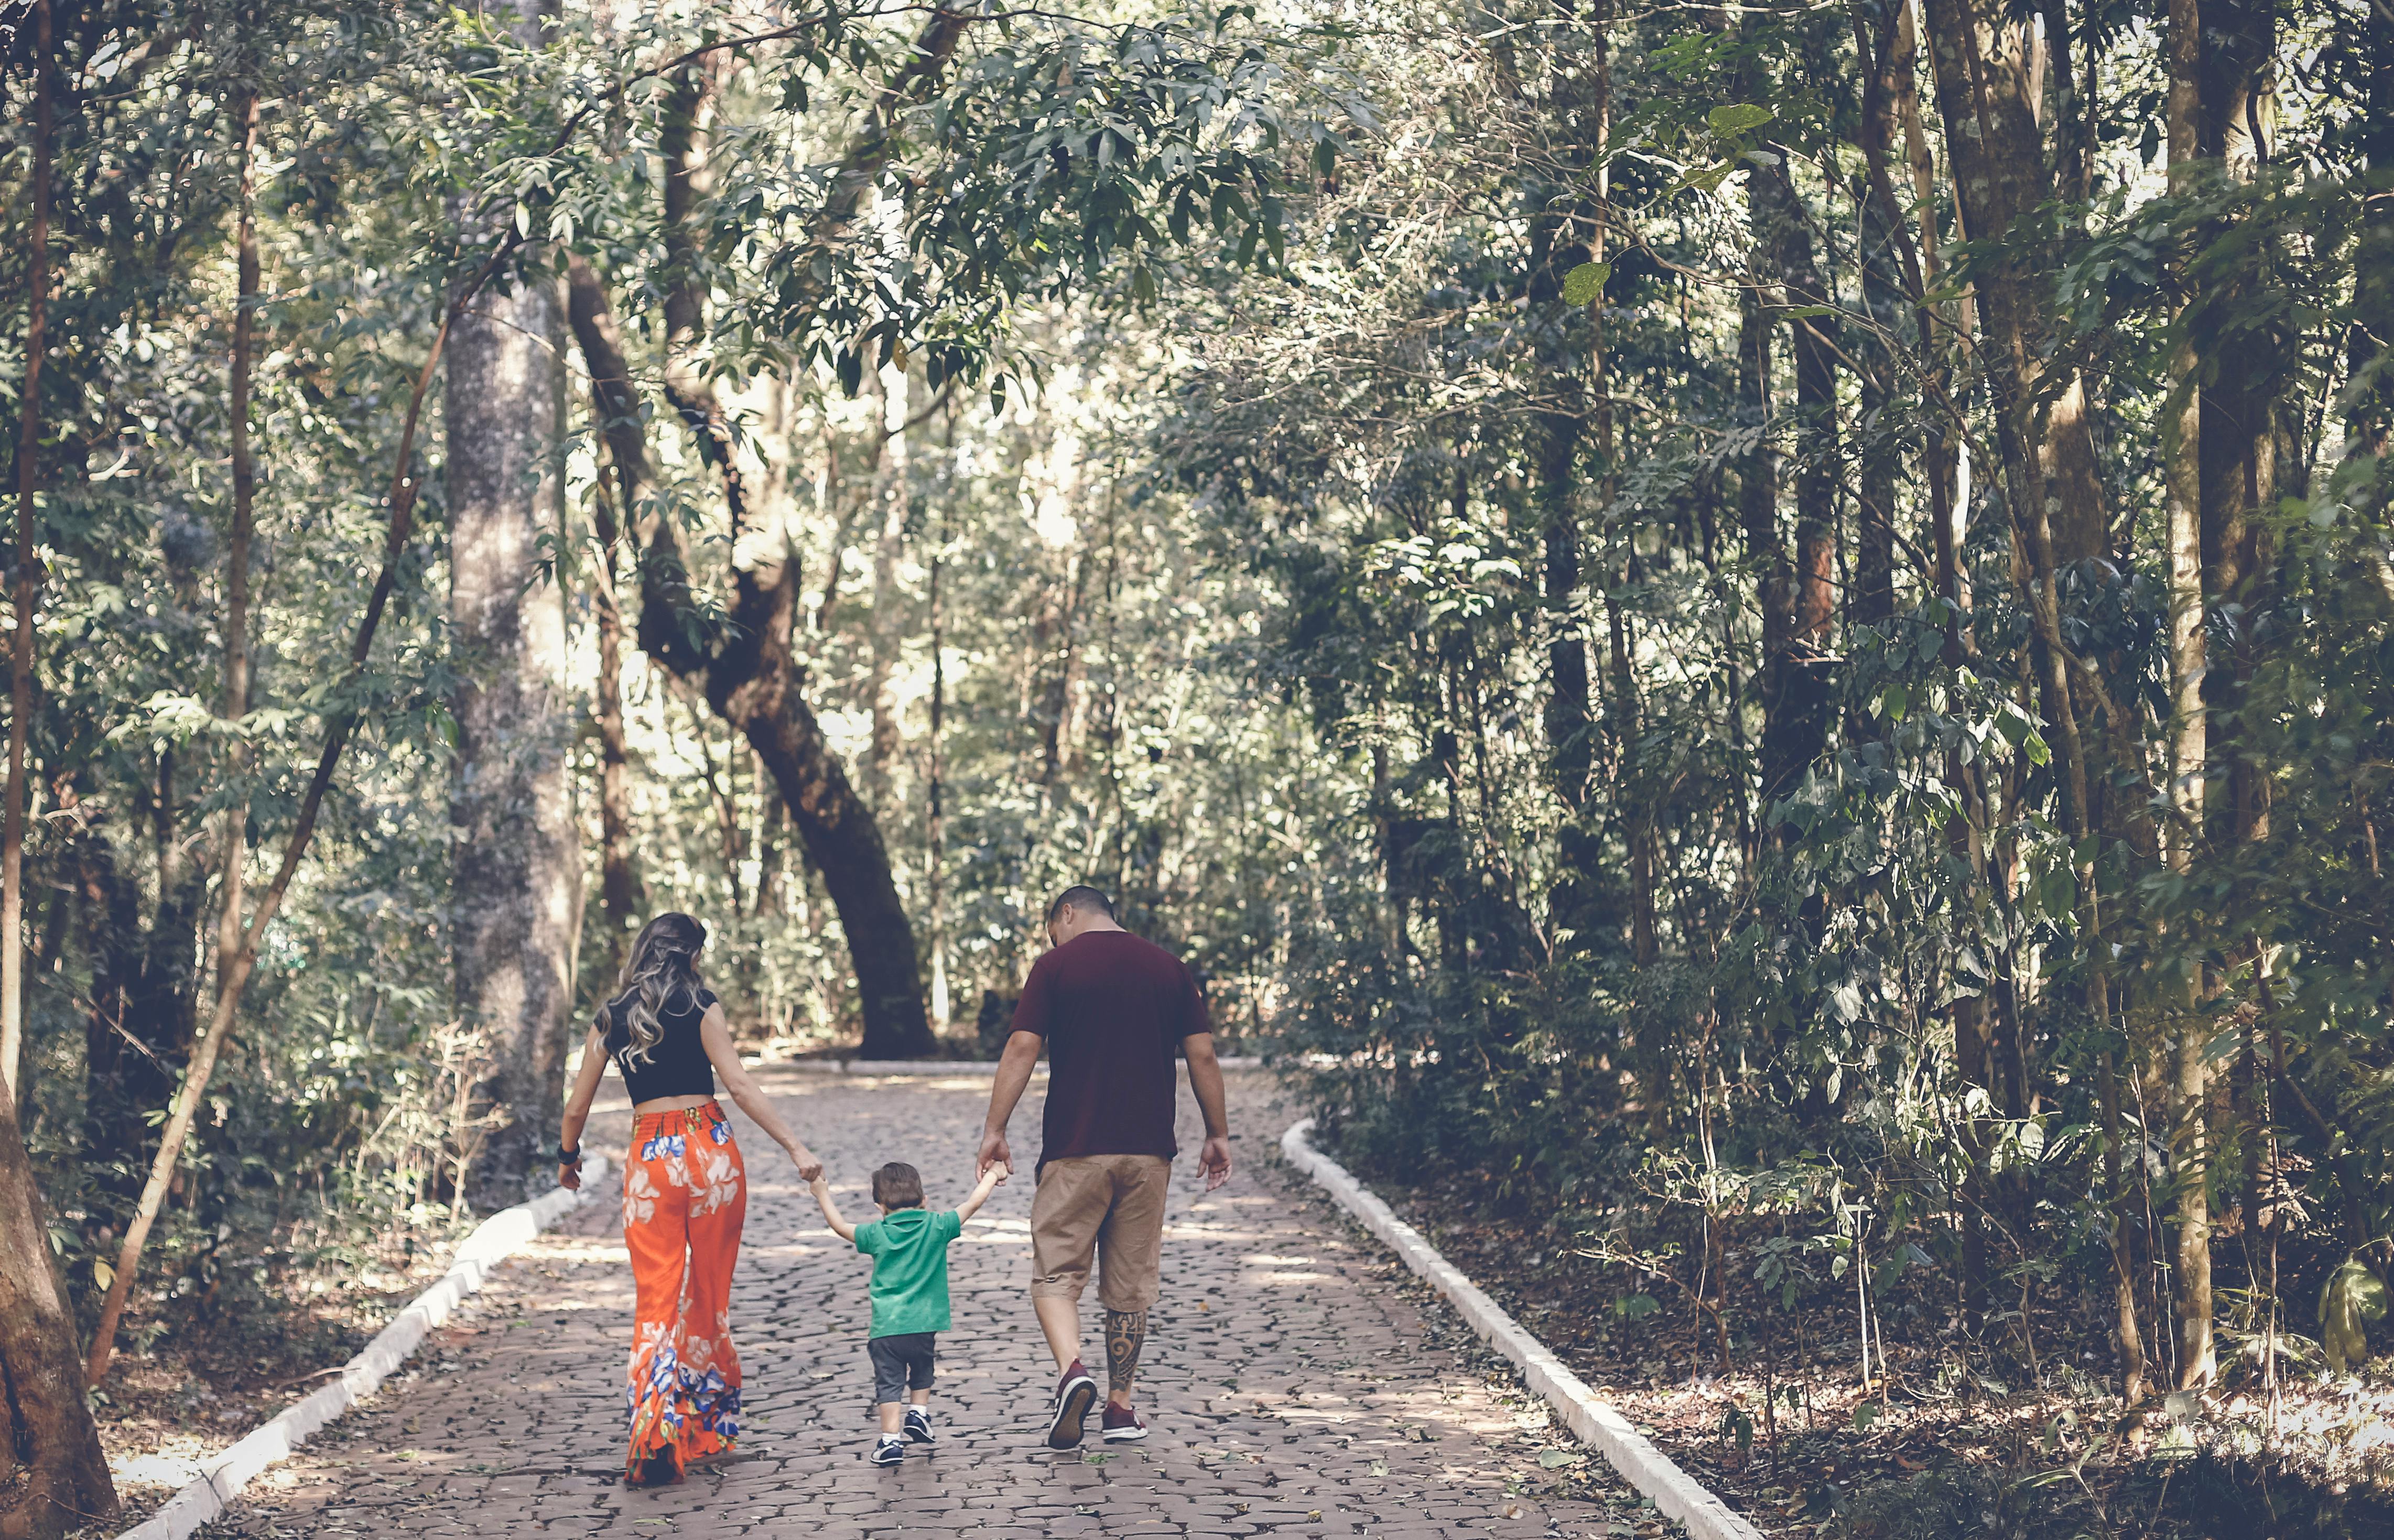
(685,1196)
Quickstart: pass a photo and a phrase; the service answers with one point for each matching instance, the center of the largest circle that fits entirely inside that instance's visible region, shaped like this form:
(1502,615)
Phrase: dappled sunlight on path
(1296,1385)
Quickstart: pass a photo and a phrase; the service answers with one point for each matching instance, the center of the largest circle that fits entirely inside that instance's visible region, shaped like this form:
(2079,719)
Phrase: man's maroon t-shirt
(1112,1009)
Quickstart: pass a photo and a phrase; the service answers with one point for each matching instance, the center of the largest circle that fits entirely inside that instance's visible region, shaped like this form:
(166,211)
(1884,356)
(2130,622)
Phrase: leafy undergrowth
(1960,1437)
(201,1367)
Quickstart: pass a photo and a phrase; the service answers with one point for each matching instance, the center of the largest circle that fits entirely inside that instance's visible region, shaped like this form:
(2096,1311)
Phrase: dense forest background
(1753,641)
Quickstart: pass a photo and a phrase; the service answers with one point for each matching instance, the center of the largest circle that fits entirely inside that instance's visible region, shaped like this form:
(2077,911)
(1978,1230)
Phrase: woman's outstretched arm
(577,1106)
(715,1031)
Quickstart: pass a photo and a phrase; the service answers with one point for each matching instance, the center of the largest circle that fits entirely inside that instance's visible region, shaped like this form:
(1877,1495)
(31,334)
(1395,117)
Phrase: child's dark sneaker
(1074,1392)
(890,1449)
(918,1425)
(1123,1425)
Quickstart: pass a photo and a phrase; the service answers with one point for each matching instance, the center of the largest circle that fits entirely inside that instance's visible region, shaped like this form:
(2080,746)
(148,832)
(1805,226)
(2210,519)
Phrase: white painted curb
(946,1066)
(1648,1468)
(223,1476)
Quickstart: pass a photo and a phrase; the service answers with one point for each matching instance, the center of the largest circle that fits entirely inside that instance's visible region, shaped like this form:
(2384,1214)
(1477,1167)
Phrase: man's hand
(995,1150)
(1215,1161)
(569,1176)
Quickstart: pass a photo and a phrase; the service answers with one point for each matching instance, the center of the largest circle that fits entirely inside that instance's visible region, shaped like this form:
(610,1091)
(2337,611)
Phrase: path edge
(224,1476)
(1591,1418)
(960,1067)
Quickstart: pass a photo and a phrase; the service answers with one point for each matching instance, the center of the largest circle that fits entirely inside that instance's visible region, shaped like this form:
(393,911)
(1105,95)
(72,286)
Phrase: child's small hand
(819,1184)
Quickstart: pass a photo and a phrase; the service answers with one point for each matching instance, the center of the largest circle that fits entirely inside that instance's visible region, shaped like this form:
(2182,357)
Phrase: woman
(685,1193)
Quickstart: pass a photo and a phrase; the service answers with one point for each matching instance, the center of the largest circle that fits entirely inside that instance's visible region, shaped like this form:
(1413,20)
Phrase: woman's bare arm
(577,1105)
(715,1033)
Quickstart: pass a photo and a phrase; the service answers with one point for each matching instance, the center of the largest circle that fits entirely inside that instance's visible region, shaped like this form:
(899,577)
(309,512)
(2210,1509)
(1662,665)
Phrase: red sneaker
(1074,1391)
(1123,1425)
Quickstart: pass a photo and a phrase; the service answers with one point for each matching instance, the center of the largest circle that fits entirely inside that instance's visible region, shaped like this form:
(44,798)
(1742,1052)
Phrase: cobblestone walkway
(1297,1383)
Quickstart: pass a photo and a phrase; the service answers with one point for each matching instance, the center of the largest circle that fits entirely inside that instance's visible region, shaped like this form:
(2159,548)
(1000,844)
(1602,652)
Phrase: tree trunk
(125,1078)
(891,493)
(1795,605)
(1997,158)
(758,693)
(2370,417)
(517,874)
(1568,746)
(1758,507)
(53,1471)
(2182,493)
(2131,1338)
(1623,714)
(935,811)
(753,680)
(2240,411)
(616,407)
(1816,476)
(516,881)
(1940,453)
(621,896)
(28,587)
(232,842)
(752,677)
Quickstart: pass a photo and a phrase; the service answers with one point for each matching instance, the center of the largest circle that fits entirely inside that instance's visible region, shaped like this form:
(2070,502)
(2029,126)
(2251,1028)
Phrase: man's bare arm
(1205,1080)
(1014,1067)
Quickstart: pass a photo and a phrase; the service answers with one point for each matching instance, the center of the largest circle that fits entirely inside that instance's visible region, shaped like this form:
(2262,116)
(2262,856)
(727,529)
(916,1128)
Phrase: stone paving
(1296,1381)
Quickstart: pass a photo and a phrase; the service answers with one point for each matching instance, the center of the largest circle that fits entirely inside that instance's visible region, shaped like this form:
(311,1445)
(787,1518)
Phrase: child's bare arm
(990,1180)
(839,1227)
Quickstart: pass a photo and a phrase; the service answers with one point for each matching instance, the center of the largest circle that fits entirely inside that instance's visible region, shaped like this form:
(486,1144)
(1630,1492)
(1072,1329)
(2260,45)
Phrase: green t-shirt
(909,1247)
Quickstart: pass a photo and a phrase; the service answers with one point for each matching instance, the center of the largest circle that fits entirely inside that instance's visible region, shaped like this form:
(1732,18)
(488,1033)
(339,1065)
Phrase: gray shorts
(900,1363)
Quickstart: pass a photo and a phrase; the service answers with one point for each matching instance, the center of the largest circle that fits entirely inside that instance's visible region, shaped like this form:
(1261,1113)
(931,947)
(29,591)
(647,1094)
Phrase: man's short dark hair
(1081,897)
(898,1185)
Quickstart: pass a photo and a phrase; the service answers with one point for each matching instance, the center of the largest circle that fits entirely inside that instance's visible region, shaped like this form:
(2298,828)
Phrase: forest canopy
(1757,637)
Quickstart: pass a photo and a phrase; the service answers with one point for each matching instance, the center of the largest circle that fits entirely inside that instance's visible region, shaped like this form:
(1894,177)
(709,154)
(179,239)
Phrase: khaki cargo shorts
(1112,1206)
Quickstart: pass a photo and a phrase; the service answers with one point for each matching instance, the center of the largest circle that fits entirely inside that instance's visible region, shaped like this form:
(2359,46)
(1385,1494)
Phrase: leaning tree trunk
(751,676)
(516,879)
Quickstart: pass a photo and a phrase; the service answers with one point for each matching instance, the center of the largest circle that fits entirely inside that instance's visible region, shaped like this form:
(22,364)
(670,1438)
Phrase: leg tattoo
(1126,1334)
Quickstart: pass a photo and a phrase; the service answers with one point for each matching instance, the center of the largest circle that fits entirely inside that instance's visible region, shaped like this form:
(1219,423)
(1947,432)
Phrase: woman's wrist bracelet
(569,1157)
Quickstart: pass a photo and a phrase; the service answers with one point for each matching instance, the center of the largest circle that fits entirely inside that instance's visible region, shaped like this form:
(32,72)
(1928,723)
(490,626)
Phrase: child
(909,1249)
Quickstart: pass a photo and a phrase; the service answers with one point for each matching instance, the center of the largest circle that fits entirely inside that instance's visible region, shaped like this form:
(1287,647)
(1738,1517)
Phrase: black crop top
(678,1065)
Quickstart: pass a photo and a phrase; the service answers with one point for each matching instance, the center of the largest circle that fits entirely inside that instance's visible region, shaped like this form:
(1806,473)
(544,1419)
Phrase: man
(1110,1008)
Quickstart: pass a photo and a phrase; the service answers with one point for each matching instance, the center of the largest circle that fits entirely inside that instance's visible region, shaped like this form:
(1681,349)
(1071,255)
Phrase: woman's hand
(811,1170)
(569,1176)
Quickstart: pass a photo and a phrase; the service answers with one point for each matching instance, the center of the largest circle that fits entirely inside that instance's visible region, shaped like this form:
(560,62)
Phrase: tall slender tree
(26,590)
(515,907)
(2182,492)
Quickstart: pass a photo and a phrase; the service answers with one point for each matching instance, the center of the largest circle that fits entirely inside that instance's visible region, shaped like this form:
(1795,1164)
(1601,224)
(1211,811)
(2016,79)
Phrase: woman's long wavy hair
(660,975)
